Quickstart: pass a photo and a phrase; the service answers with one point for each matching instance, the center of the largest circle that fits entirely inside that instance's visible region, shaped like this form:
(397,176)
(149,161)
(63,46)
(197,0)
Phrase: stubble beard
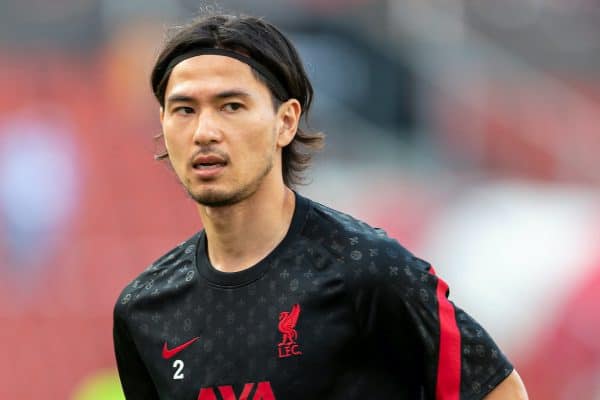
(216,198)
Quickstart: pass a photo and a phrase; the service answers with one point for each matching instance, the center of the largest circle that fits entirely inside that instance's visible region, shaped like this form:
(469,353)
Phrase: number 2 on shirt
(178,365)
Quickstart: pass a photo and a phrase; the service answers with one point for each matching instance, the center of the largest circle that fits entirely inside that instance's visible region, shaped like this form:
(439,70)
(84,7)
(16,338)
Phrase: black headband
(279,89)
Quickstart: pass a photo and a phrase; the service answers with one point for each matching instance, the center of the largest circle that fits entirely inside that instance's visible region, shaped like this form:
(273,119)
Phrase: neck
(240,235)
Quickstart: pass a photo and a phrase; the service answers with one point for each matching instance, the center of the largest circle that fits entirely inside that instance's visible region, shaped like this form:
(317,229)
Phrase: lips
(208,166)
(208,162)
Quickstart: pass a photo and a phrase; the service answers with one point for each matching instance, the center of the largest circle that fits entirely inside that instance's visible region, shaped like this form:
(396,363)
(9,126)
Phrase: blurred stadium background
(468,129)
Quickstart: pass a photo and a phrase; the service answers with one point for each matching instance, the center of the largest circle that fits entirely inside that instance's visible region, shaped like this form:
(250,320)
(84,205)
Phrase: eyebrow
(179,98)
(232,93)
(174,98)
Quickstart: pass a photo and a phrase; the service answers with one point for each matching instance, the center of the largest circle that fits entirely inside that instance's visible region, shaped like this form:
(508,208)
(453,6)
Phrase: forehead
(206,74)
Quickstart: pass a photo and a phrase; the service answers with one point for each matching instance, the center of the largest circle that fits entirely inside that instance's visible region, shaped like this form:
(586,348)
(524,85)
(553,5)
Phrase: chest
(286,332)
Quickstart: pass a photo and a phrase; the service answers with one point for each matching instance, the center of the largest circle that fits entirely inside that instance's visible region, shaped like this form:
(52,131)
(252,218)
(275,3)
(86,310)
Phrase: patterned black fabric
(337,311)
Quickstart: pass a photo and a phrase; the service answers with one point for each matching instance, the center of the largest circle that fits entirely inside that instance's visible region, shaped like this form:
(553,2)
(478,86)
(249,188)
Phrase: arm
(457,357)
(135,379)
(512,388)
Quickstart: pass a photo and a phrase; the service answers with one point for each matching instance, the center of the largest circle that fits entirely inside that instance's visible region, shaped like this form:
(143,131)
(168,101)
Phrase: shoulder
(371,264)
(162,272)
(355,242)
(325,222)
(364,254)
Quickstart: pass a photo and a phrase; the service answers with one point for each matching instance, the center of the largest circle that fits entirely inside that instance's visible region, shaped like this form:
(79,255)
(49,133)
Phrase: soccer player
(279,297)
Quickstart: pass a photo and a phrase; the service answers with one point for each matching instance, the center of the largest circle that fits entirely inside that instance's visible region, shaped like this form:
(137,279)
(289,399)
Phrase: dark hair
(263,43)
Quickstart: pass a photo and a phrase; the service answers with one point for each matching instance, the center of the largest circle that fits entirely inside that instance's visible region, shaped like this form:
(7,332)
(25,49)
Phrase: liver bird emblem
(287,323)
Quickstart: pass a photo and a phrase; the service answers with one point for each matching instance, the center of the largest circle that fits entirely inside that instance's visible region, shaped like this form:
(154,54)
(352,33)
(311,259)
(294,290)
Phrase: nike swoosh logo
(166,353)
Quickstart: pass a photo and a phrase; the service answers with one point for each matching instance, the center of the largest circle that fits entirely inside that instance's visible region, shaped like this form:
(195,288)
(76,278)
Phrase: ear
(289,117)
(162,118)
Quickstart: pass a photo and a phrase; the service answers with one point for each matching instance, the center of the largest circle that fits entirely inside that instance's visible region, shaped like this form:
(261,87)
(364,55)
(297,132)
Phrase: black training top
(337,311)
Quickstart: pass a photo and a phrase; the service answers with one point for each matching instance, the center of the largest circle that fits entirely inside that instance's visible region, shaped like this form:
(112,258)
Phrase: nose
(207,129)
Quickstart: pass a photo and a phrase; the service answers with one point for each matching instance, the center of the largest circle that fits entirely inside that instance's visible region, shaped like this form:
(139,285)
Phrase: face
(222,133)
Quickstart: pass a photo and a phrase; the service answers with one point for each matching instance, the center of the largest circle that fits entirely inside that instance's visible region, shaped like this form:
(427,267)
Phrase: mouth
(208,165)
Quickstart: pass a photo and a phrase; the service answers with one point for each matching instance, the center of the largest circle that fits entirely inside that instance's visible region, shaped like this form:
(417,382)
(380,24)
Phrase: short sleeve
(136,381)
(406,309)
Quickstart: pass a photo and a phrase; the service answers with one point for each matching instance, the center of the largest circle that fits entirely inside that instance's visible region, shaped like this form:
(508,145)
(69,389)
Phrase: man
(280,297)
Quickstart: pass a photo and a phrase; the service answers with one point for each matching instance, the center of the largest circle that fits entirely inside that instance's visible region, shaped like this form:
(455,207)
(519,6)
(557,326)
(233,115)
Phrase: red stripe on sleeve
(448,373)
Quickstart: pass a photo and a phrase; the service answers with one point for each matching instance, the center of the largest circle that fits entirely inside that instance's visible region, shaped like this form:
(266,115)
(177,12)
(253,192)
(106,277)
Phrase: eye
(231,107)
(183,110)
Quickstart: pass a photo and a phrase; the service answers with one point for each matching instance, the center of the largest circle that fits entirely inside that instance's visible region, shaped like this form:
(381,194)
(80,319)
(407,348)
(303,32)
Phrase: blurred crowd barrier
(476,150)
